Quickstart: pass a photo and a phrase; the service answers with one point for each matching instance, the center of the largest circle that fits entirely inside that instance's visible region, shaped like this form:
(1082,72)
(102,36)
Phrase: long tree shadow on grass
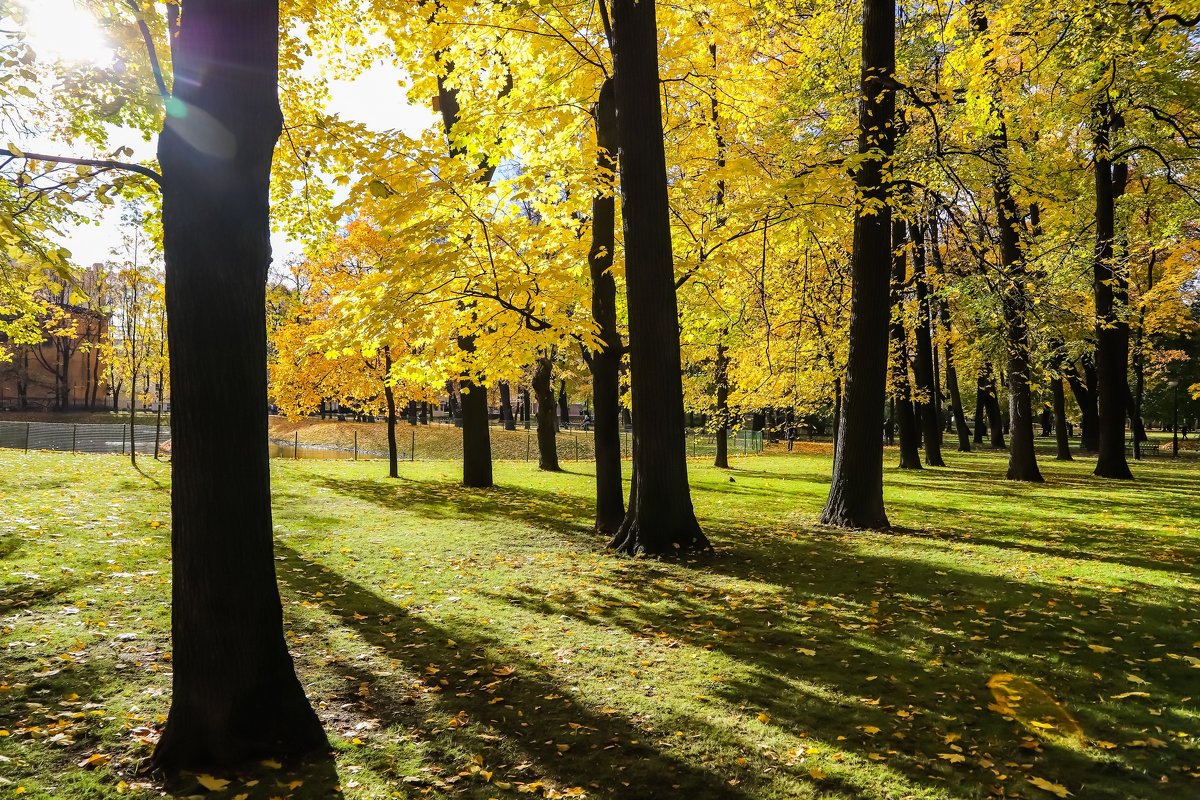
(895,653)
(522,716)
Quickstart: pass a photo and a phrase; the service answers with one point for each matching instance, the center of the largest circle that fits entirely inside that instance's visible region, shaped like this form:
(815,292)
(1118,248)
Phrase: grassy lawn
(1011,641)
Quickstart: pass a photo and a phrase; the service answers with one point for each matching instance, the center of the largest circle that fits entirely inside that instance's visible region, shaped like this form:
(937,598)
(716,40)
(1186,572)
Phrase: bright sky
(64,30)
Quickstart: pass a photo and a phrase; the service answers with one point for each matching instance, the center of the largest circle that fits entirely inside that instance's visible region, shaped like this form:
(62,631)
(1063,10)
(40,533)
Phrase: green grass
(482,644)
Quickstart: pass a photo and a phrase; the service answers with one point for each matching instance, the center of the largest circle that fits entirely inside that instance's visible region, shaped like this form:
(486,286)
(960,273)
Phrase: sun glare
(63,30)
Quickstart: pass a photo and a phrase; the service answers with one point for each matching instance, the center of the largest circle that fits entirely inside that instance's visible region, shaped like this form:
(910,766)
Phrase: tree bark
(389,397)
(926,371)
(1062,438)
(564,408)
(506,410)
(477,442)
(1111,292)
(660,519)
(986,387)
(235,693)
(546,438)
(722,380)
(856,492)
(1084,390)
(605,365)
(902,403)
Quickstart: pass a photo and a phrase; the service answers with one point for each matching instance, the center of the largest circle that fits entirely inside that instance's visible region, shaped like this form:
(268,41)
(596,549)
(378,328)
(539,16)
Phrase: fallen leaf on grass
(953,758)
(95,760)
(1055,789)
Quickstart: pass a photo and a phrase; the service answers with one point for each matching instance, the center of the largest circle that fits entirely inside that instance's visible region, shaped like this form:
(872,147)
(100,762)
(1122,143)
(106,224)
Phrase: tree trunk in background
(546,437)
(506,409)
(926,371)
(605,365)
(564,407)
(1084,390)
(722,379)
(1062,438)
(1022,458)
(980,418)
(389,397)
(452,406)
(477,444)
(902,403)
(235,695)
(660,518)
(856,492)
(1112,294)
(986,387)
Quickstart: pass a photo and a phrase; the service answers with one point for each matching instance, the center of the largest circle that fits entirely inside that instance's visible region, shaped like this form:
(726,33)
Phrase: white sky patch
(62,30)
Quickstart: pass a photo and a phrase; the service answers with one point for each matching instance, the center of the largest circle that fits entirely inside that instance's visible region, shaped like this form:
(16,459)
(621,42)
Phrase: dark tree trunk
(837,410)
(526,407)
(980,423)
(926,371)
(546,438)
(477,442)
(564,408)
(389,397)
(1061,435)
(660,518)
(722,380)
(1084,390)
(506,411)
(1111,290)
(605,365)
(235,696)
(1022,458)
(452,406)
(902,403)
(856,492)
(986,387)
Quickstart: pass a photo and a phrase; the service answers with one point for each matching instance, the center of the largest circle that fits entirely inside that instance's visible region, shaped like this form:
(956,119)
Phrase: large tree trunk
(660,518)
(905,412)
(926,372)
(477,442)
(605,365)
(1111,290)
(856,492)
(235,693)
(547,440)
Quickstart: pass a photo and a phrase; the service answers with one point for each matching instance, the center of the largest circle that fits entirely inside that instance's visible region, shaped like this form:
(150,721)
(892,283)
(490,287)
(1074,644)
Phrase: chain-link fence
(83,437)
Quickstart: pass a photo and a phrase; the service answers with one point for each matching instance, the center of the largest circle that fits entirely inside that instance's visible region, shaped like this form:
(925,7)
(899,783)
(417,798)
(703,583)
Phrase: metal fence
(81,437)
(443,443)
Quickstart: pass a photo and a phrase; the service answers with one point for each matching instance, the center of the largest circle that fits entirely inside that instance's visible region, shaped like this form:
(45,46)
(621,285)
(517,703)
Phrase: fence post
(356,445)
(528,437)
(296,447)
(122,440)
(74,436)
(26,437)
(412,453)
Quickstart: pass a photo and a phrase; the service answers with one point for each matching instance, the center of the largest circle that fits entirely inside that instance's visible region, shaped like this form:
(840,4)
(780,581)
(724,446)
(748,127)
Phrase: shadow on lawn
(520,718)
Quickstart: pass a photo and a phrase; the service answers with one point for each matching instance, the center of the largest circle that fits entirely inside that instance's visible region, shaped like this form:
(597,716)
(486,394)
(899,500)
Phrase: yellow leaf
(804,651)
(870,730)
(1055,789)
(211,783)
(271,763)
(95,760)
(953,758)
(1099,648)
(763,718)
(816,774)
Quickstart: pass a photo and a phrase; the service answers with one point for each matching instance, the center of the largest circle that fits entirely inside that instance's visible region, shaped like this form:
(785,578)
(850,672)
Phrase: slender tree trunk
(986,388)
(660,518)
(722,381)
(1111,291)
(506,410)
(235,693)
(906,418)
(1084,390)
(856,492)
(547,440)
(926,372)
(1061,436)
(564,408)
(389,397)
(605,365)
(980,414)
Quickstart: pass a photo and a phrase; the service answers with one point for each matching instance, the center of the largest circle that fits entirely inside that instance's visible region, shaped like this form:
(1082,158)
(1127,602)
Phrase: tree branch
(155,67)
(87,162)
